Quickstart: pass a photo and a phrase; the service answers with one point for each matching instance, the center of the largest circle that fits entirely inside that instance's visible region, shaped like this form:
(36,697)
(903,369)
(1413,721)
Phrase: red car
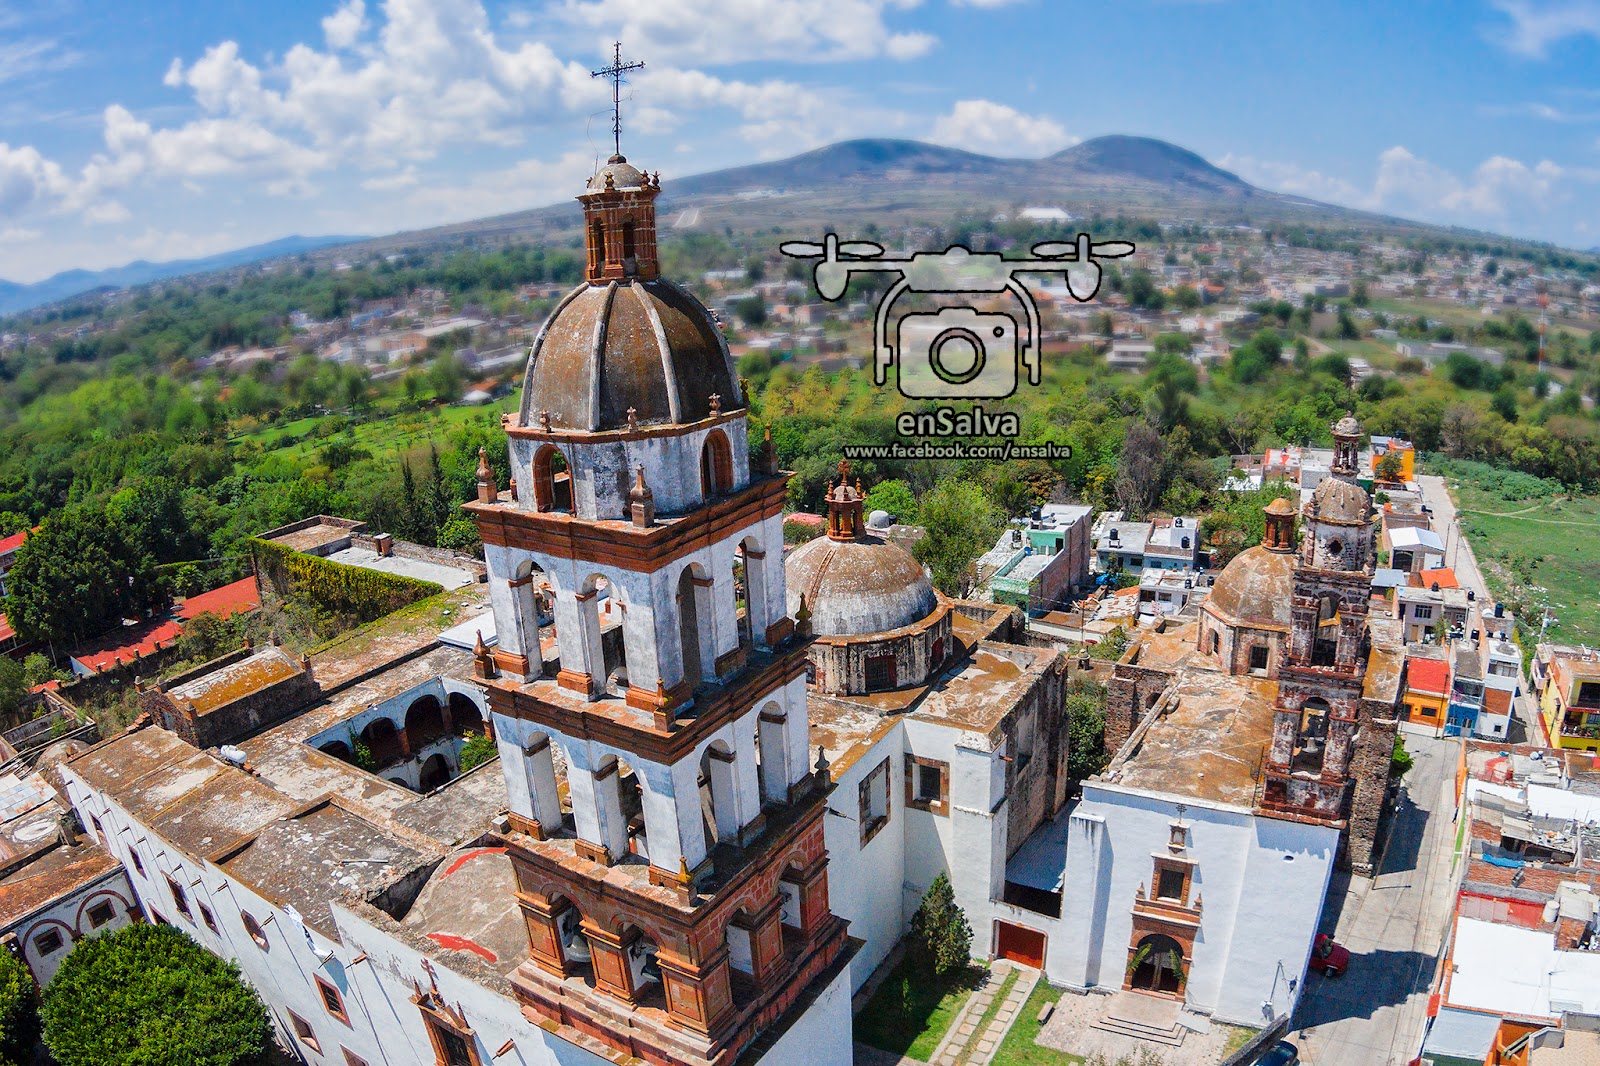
(1330,956)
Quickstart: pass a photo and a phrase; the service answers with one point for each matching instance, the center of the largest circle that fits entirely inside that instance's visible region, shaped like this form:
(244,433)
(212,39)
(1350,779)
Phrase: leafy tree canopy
(147,995)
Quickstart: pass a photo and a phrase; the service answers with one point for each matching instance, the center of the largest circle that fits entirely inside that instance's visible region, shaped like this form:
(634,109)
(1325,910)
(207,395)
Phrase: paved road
(1394,926)
(1459,556)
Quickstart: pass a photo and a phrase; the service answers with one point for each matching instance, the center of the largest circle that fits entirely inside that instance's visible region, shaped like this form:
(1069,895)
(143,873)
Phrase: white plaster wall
(1258,908)
(69,916)
(823,1034)
(865,883)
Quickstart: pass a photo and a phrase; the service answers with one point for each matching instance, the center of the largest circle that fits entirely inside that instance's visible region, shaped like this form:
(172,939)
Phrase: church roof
(1254,590)
(859,586)
(1340,501)
(646,345)
(623,175)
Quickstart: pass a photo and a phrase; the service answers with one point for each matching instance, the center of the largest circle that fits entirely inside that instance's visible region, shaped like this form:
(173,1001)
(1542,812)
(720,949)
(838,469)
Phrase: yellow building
(1568,682)
(1427,695)
(1402,449)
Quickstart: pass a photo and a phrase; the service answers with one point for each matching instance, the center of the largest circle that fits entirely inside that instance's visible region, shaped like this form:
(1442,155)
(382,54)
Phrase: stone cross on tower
(615,72)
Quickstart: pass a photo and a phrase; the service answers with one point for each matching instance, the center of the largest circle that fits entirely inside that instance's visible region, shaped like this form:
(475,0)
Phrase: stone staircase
(1145,1018)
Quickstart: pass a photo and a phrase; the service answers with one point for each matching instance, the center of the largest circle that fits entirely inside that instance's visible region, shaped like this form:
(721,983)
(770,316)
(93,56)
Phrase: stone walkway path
(965,1043)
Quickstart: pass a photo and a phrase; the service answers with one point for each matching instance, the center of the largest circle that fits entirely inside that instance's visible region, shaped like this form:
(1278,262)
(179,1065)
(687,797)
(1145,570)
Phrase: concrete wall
(823,1034)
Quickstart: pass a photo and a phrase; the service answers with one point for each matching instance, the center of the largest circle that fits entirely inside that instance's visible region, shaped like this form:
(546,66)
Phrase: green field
(382,435)
(1538,546)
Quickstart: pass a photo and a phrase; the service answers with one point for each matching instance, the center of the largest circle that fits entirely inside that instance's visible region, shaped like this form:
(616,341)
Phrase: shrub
(478,749)
(939,930)
(149,996)
(1401,761)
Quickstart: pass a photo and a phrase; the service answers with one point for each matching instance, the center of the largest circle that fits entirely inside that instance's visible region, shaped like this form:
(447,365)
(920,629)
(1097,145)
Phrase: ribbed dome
(1254,590)
(1340,501)
(648,345)
(856,587)
(623,175)
(1347,427)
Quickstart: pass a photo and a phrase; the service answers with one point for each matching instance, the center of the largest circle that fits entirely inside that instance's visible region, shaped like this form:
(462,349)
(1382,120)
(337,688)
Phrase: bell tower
(666,827)
(1317,714)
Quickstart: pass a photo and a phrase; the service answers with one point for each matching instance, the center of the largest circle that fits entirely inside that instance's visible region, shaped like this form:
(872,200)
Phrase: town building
(1427,689)
(1567,681)
(1163,543)
(1039,565)
(1520,981)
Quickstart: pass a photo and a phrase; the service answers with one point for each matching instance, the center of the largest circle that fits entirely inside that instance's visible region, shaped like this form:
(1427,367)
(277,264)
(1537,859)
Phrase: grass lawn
(911,1010)
(1538,547)
(1019,1049)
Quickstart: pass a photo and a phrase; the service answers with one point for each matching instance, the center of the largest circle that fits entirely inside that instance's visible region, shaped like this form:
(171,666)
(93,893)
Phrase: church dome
(648,345)
(623,175)
(1255,590)
(858,586)
(1340,501)
(1347,427)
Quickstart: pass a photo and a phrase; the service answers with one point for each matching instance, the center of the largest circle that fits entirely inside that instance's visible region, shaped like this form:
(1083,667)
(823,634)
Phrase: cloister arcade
(413,739)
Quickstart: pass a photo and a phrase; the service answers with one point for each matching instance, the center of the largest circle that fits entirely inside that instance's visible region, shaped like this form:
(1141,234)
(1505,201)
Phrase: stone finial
(487,489)
(641,501)
(769,451)
(611,181)
(482,658)
(544,421)
(822,761)
(716,404)
(683,870)
(802,618)
(513,489)
(633,419)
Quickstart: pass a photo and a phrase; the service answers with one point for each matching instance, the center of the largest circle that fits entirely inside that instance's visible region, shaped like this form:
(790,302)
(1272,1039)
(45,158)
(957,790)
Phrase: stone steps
(1170,1037)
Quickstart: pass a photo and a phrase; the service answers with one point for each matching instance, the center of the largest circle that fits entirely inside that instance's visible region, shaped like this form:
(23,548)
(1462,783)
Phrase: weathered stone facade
(232,696)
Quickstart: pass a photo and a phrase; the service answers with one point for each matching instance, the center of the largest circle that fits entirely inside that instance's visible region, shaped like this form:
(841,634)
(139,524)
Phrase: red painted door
(1019,944)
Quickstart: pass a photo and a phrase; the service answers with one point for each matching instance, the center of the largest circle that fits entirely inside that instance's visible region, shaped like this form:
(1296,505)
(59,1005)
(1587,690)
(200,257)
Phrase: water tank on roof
(880,520)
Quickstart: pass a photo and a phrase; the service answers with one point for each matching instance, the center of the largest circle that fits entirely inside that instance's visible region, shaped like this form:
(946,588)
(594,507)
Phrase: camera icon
(957,353)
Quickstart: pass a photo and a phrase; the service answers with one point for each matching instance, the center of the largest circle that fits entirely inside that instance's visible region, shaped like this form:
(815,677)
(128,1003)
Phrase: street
(1394,927)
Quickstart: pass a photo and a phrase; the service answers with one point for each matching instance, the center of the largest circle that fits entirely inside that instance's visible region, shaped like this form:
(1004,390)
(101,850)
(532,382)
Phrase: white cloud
(1538,24)
(343,28)
(1500,192)
(106,212)
(724,31)
(28,180)
(19,235)
(32,55)
(998,129)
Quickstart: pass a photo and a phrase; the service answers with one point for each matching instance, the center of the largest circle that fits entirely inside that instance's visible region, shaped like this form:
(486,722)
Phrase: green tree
(895,497)
(962,523)
(1086,728)
(940,933)
(147,995)
(13,686)
(1390,467)
(19,1012)
(460,534)
(76,578)
(478,750)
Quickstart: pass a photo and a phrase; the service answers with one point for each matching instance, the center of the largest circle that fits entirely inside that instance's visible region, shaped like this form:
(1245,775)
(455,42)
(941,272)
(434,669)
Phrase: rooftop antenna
(615,72)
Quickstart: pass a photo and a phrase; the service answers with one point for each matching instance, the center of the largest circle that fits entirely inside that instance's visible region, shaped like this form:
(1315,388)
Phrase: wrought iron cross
(615,72)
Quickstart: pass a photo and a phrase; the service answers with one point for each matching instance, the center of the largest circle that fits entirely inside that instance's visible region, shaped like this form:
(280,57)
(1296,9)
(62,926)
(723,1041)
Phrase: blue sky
(163,129)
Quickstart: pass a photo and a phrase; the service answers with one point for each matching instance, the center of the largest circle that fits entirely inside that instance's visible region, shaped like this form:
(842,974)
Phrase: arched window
(718,813)
(689,625)
(465,718)
(597,247)
(627,241)
(716,465)
(552,480)
(253,927)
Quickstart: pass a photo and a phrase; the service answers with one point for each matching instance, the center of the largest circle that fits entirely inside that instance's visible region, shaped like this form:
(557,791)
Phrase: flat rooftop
(266,667)
(469,906)
(449,577)
(1208,739)
(314,538)
(53,874)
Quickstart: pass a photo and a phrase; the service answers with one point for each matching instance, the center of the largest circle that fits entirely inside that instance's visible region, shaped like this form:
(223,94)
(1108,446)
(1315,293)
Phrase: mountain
(846,186)
(17,297)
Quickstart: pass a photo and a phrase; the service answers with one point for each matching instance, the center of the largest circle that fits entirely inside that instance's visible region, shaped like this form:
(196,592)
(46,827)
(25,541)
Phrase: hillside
(19,297)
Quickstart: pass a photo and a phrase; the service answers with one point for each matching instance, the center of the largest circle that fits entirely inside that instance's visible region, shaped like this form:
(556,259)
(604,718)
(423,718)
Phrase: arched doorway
(1157,965)
(435,772)
(338,749)
(1312,743)
(464,714)
(424,722)
(383,740)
